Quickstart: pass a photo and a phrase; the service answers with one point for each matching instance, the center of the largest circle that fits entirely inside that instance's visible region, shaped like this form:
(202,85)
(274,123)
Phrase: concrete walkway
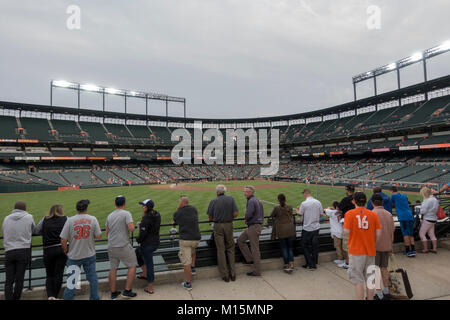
(428,274)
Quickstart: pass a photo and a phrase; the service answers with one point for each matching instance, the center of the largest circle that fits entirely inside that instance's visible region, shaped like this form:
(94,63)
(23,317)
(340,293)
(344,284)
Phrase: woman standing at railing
(148,240)
(50,228)
(284,230)
(428,210)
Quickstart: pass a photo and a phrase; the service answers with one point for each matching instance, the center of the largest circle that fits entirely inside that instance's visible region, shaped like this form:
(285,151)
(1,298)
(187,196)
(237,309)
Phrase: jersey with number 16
(362,224)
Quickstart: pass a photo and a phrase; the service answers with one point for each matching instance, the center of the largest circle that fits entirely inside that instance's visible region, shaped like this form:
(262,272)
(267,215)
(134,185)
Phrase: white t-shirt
(335,225)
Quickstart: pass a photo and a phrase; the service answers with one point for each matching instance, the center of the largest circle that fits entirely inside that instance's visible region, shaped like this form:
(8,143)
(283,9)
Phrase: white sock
(380,294)
(386,290)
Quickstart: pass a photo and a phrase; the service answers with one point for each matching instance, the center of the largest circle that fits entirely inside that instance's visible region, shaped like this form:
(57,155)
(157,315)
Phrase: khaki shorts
(382,259)
(187,247)
(125,254)
(345,242)
(357,271)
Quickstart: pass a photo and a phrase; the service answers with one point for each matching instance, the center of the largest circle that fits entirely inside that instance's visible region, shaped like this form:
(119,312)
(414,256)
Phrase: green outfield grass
(166,201)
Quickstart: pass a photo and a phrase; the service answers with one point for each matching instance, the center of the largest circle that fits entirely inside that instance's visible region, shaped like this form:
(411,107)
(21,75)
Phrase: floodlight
(61,83)
(392,66)
(416,56)
(445,46)
(112,91)
(90,87)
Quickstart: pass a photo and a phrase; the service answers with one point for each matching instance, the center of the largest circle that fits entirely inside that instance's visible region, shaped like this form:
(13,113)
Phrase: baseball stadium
(54,154)
(59,155)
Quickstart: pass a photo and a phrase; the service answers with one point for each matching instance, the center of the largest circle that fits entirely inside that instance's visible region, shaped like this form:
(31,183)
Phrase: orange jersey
(362,224)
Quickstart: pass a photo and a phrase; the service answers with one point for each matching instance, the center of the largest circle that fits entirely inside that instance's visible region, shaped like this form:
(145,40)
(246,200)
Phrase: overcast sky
(228,58)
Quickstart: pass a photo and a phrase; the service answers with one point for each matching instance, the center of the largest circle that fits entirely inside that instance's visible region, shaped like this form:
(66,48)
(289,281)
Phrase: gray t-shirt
(117,223)
(221,209)
(80,231)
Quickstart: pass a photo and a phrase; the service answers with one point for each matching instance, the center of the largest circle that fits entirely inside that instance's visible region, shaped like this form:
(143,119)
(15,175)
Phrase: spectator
(186,217)
(18,228)
(284,230)
(311,210)
(221,211)
(428,211)
(383,245)
(336,233)
(345,205)
(80,231)
(364,229)
(149,241)
(406,220)
(387,202)
(119,224)
(55,259)
(254,218)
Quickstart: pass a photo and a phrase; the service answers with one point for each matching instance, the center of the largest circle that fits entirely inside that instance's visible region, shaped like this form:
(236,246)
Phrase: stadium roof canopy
(413,90)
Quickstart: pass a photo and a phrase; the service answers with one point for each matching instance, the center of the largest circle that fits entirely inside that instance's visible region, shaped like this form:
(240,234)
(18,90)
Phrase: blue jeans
(147,253)
(91,275)
(287,249)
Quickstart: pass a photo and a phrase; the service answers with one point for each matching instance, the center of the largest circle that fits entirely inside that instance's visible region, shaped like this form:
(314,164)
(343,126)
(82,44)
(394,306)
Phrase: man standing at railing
(221,211)
(311,210)
(186,217)
(18,228)
(80,231)
(119,224)
(254,218)
(406,219)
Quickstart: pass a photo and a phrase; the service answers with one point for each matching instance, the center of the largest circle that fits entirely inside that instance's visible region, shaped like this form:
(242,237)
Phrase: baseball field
(166,199)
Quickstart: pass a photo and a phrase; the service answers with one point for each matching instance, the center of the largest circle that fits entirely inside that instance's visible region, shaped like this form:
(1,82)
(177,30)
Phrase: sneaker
(387,296)
(410,254)
(193,270)
(339,261)
(311,268)
(128,294)
(413,253)
(343,265)
(187,286)
(115,295)
(376,297)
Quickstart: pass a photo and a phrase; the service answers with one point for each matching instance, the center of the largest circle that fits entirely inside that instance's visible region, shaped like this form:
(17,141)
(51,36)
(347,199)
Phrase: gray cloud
(229,58)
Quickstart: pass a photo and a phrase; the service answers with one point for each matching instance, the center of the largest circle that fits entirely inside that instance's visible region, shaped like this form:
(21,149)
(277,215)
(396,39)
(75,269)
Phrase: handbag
(441,213)
(399,285)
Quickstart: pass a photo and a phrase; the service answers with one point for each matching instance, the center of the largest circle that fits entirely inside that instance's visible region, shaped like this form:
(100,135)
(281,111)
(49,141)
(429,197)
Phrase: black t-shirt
(187,219)
(51,229)
(346,204)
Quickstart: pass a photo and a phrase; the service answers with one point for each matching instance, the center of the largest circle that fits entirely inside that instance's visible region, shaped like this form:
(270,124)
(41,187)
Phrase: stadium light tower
(119,92)
(414,58)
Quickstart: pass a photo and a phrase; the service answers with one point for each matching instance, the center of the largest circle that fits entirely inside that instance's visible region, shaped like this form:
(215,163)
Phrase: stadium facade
(400,136)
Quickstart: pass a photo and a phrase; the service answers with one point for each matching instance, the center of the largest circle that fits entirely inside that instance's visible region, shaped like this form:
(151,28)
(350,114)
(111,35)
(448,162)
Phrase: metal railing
(167,247)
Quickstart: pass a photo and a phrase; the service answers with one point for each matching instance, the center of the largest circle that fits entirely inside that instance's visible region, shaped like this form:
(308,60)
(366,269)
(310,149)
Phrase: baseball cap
(360,197)
(148,202)
(120,201)
(82,205)
(349,187)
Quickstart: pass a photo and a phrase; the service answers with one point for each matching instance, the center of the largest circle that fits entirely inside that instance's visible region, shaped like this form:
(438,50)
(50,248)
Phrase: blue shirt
(402,207)
(387,203)
(255,211)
